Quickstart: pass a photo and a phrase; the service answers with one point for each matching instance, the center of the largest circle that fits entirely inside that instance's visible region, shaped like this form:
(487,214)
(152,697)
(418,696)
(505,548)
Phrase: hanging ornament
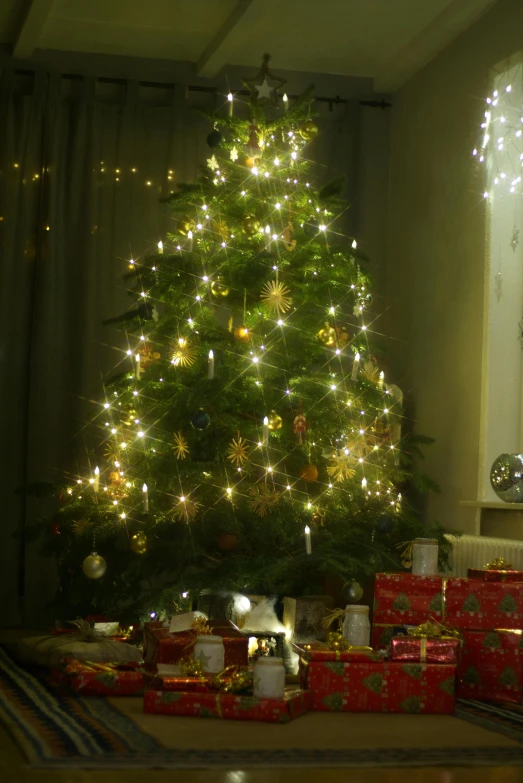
(275,421)
(233,154)
(300,426)
(276,297)
(242,334)
(327,335)
(186,509)
(81,527)
(263,499)
(384,524)
(250,225)
(318,518)
(200,420)
(227,542)
(147,355)
(139,543)
(252,148)
(55,528)
(181,448)
(185,224)
(94,566)
(214,138)
(341,468)
(252,162)
(352,592)
(114,477)
(308,130)
(259,85)
(212,163)
(309,473)
(288,242)
(184,354)
(342,335)
(219,288)
(238,450)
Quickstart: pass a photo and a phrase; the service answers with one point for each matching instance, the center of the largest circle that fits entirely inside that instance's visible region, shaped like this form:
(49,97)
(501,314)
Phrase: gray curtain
(83,166)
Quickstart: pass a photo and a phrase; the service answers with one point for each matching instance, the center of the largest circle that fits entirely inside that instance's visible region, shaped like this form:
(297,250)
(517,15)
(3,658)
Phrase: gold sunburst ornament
(276,296)
(112,453)
(186,509)
(263,499)
(184,354)
(341,468)
(181,447)
(238,451)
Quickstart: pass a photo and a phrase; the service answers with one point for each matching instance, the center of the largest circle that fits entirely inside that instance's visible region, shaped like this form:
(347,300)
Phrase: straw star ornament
(263,499)
(181,447)
(184,354)
(238,451)
(276,296)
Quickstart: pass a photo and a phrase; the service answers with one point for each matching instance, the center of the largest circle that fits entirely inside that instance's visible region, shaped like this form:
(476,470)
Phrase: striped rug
(502,717)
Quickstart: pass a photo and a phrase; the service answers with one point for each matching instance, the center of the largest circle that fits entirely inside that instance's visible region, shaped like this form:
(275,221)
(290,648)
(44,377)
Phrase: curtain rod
(205,88)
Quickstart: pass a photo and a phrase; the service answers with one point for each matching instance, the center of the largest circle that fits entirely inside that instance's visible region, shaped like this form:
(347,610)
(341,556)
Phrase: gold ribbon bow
(335,615)
(498,564)
(199,627)
(406,552)
(233,679)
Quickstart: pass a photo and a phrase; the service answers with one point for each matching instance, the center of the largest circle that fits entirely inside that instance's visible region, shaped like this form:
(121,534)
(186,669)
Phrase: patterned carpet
(57,730)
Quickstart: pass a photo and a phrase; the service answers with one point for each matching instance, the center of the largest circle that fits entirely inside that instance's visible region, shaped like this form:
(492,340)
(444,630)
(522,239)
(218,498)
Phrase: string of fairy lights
(269,173)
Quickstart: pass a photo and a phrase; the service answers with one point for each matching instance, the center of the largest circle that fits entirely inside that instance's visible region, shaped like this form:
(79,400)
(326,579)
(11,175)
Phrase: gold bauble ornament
(139,543)
(94,566)
(252,162)
(114,477)
(327,335)
(309,473)
(242,334)
(185,224)
(250,225)
(275,421)
(308,130)
(219,288)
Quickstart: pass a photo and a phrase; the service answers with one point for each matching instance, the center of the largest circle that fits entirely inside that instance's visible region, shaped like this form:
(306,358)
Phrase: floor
(14,770)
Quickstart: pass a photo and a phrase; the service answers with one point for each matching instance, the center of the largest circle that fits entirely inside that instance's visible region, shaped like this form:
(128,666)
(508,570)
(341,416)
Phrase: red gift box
(491,666)
(160,646)
(382,687)
(172,682)
(319,651)
(495,575)
(406,599)
(420,650)
(100,679)
(229,706)
(383,633)
(481,606)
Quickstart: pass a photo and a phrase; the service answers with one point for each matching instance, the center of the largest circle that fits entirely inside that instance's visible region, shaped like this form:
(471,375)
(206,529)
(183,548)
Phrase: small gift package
(491,666)
(496,571)
(430,642)
(84,644)
(100,679)
(162,645)
(229,706)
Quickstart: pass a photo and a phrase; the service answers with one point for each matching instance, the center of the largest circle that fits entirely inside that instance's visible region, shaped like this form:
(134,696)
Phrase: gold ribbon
(423,649)
(432,629)
(233,679)
(219,706)
(335,615)
(199,627)
(498,564)
(406,552)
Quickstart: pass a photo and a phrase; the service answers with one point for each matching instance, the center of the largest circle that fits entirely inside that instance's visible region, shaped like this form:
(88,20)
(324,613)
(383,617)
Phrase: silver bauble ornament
(352,591)
(94,566)
(506,477)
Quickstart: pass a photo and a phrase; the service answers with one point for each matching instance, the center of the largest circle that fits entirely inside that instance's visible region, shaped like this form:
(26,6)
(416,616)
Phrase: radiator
(475,551)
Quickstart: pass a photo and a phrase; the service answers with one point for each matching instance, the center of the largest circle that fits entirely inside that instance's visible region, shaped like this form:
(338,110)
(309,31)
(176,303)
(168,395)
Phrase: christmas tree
(251,443)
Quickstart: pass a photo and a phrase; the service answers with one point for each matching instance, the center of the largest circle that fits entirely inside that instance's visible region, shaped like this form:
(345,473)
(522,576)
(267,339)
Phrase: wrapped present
(480,606)
(496,571)
(382,687)
(234,679)
(422,650)
(319,651)
(491,666)
(100,679)
(161,646)
(230,706)
(383,633)
(172,682)
(84,644)
(407,599)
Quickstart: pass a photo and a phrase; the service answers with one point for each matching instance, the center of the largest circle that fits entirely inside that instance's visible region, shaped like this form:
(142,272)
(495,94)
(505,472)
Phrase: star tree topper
(259,85)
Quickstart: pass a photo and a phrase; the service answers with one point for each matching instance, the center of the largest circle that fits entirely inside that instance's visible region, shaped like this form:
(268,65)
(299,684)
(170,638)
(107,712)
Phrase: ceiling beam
(33,20)
(429,42)
(214,56)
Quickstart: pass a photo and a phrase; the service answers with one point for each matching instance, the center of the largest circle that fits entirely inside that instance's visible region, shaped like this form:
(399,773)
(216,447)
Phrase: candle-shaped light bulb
(355,367)
(285,99)
(381,380)
(189,237)
(308,548)
(160,246)
(210,371)
(96,484)
(138,366)
(265,438)
(230,98)
(145,499)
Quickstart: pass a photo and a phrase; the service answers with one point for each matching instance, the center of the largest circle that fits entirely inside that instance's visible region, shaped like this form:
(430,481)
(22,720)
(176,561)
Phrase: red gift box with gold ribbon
(491,666)
(160,646)
(415,649)
(100,679)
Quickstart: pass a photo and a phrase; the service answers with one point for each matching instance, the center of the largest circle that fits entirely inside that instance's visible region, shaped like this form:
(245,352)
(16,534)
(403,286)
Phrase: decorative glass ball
(200,420)
(327,335)
(309,473)
(275,421)
(308,130)
(94,566)
(219,288)
(250,225)
(214,138)
(139,543)
(352,592)
(242,334)
(506,477)
(384,524)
